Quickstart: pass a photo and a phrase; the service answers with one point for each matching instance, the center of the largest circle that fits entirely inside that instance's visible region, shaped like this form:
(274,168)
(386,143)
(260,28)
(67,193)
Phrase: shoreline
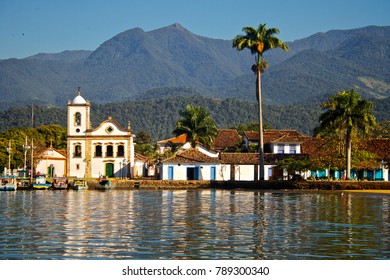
(351,186)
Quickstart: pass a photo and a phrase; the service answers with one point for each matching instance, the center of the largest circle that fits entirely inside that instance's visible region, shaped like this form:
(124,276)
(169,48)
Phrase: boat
(80,184)
(40,182)
(105,184)
(8,183)
(23,181)
(60,183)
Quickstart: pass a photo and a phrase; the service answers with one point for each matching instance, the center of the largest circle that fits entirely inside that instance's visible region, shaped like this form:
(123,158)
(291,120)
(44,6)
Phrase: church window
(109,129)
(77,151)
(121,151)
(98,151)
(110,151)
(77,118)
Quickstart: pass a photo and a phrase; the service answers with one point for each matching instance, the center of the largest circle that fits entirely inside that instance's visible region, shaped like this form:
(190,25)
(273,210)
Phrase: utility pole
(32,116)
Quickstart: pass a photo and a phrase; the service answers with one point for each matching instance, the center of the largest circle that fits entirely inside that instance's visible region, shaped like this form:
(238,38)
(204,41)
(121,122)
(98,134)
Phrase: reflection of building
(93,152)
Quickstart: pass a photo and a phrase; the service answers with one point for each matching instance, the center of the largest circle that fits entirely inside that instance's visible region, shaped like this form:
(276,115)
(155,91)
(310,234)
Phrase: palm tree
(259,40)
(198,124)
(347,114)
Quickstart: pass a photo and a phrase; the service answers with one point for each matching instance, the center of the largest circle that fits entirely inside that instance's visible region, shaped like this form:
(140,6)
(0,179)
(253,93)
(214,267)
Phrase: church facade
(107,150)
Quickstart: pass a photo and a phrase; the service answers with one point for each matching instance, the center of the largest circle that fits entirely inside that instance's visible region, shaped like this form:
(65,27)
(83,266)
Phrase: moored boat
(40,182)
(23,183)
(8,183)
(23,180)
(60,183)
(80,184)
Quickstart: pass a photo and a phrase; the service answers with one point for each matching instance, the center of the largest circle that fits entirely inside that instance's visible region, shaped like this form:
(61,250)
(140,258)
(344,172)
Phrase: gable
(51,153)
(108,127)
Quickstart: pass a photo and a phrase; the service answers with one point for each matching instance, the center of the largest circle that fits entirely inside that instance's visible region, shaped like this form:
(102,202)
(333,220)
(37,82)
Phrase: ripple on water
(202,224)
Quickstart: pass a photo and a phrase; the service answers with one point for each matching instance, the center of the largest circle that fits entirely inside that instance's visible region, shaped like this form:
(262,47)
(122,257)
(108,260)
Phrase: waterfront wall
(261,185)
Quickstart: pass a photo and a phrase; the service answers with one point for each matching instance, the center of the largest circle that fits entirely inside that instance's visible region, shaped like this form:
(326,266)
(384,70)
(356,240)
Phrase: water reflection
(204,224)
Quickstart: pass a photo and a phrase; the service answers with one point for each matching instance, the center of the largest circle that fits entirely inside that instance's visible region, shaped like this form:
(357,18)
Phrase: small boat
(60,183)
(23,180)
(105,184)
(40,182)
(8,183)
(23,183)
(80,184)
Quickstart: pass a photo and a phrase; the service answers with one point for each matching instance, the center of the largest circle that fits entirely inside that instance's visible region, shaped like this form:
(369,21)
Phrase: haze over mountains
(136,65)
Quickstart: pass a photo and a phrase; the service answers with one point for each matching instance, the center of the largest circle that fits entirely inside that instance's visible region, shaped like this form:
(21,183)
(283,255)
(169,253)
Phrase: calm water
(200,224)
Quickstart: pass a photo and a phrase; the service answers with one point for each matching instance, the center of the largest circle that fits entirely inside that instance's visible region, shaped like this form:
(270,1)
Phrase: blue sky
(28,27)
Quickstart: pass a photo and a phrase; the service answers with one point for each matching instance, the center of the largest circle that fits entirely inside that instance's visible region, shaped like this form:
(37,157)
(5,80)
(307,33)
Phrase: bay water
(193,224)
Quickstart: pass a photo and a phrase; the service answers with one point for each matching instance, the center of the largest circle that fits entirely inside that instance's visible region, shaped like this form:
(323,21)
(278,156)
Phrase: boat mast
(32,116)
(32,159)
(9,150)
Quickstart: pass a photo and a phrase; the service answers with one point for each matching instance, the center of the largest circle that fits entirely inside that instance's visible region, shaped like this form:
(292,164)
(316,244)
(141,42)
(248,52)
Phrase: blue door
(170,172)
(370,175)
(213,173)
(378,174)
(197,173)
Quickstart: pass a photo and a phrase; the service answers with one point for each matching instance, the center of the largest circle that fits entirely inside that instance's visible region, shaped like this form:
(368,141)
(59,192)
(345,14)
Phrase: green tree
(43,137)
(143,137)
(250,126)
(347,115)
(382,130)
(198,124)
(259,40)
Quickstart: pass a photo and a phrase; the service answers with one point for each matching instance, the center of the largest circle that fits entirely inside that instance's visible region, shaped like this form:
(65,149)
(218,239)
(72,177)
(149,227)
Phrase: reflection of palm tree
(198,124)
(347,113)
(258,40)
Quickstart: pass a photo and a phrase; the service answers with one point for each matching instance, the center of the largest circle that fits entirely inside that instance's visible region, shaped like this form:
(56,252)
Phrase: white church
(107,150)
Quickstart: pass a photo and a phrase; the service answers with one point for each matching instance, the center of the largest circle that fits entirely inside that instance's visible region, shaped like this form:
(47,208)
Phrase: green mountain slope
(158,116)
(134,62)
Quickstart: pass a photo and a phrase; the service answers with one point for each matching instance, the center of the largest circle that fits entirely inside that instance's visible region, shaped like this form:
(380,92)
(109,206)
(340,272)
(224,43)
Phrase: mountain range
(161,70)
(134,64)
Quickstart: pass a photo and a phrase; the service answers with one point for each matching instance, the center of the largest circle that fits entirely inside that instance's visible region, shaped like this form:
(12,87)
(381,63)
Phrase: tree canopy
(198,124)
(346,115)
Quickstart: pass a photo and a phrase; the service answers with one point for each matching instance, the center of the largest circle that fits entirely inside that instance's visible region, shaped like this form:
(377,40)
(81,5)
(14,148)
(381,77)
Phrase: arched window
(110,151)
(77,150)
(98,151)
(77,118)
(121,151)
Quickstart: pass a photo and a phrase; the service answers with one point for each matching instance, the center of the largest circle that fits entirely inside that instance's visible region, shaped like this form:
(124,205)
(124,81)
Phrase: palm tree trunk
(261,137)
(348,148)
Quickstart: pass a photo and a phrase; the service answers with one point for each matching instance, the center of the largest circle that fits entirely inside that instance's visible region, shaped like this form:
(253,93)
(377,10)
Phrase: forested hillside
(158,116)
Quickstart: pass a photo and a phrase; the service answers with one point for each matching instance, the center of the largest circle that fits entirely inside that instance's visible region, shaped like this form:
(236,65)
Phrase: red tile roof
(191,155)
(226,138)
(253,158)
(181,139)
(378,146)
(277,136)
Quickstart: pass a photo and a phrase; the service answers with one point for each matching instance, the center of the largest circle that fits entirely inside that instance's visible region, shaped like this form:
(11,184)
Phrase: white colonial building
(107,150)
(51,162)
